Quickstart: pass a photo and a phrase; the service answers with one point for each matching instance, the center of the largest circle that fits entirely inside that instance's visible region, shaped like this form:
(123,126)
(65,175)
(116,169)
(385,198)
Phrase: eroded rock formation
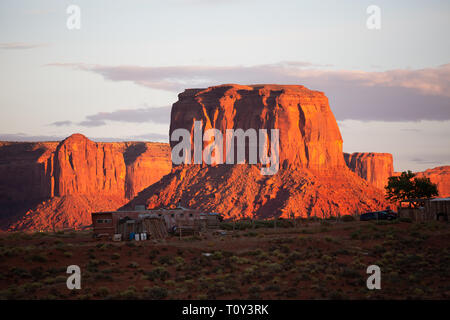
(440,176)
(313,179)
(309,135)
(85,167)
(375,168)
(57,183)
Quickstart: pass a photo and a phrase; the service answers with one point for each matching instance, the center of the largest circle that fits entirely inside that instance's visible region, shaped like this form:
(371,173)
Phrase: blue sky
(117,76)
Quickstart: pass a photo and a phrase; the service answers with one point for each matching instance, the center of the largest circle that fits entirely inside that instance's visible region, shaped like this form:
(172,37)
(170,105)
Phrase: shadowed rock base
(241,191)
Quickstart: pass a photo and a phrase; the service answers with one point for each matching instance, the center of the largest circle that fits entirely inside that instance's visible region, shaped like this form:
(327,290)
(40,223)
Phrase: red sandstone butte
(309,134)
(440,176)
(375,168)
(85,167)
(51,184)
(313,179)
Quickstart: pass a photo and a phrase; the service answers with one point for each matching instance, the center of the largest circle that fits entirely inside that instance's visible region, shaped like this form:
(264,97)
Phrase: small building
(128,223)
(427,209)
(439,208)
(156,223)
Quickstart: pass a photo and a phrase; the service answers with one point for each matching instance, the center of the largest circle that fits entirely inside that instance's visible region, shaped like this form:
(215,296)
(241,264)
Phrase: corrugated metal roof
(441,199)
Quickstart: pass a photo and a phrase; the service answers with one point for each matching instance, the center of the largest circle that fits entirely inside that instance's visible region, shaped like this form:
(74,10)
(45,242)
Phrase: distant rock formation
(106,175)
(26,171)
(375,168)
(313,179)
(440,176)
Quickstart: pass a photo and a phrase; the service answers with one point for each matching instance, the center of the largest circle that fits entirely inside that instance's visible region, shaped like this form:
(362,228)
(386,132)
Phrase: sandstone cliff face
(309,135)
(440,176)
(86,167)
(375,168)
(313,179)
(39,177)
(145,164)
(25,170)
(25,177)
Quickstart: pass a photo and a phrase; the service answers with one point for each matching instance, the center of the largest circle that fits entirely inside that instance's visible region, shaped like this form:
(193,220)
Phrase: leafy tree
(407,186)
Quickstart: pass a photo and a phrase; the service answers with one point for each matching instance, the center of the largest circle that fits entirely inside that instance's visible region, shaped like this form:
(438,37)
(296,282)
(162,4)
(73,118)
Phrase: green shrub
(254,292)
(129,294)
(38,258)
(102,276)
(156,293)
(272,287)
(290,292)
(115,256)
(347,218)
(378,249)
(272,268)
(60,279)
(166,260)
(179,260)
(217,255)
(350,273)
(102,292)
(239,260)
(355,235)
(336,295)
(342,251)
(153,254)
(22,273)
(158,273)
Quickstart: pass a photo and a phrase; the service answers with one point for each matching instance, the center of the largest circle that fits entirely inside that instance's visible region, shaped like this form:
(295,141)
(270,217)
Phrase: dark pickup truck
(379,215)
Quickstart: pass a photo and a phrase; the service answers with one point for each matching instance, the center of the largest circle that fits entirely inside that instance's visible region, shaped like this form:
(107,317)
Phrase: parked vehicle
(379,215)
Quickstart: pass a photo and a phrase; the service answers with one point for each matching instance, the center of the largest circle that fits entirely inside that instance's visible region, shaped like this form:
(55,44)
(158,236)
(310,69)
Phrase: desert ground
(311,260)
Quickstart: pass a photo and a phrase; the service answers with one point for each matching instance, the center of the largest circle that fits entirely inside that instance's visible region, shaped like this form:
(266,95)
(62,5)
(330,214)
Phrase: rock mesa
(313,179)
(48,184)
(309,134)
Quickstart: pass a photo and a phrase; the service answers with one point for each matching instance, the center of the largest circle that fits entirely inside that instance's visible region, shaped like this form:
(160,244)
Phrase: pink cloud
(393,95)
(21,45)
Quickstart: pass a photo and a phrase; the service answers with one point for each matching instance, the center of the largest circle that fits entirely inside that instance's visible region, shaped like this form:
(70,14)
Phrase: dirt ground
(320,260)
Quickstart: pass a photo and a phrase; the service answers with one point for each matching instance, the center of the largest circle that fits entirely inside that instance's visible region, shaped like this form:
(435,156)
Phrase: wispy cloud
(23,137)
(425,161)
(393,95)
(61,123)
(152,137)
(411,130)
(433,81)
(139,115)
(144,114)
(21,45)
(92,123)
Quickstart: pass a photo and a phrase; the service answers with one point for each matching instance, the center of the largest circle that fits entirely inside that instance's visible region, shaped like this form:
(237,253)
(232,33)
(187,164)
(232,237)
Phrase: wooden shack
(438,208)
(156,223)
(128,223)
(428,209)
